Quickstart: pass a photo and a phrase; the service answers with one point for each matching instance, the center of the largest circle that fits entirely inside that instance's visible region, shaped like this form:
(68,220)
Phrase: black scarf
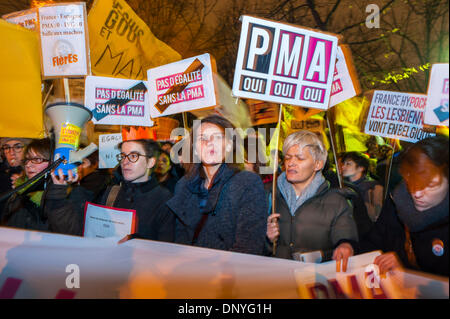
(417,221)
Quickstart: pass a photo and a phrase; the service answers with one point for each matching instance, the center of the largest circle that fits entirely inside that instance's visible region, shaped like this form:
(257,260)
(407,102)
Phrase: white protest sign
(345,82)
(397,115)
(363,280)
(284,64)
(437,112)
(26,18)
(104,222)
(117,101)
(64,40)
(182,86)
(108,150)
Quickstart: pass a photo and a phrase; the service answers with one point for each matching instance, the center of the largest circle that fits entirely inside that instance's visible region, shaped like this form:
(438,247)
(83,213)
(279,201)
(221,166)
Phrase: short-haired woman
(216,204)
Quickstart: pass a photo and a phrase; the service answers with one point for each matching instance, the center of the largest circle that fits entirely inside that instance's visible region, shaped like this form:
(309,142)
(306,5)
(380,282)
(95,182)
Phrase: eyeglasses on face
(15,147)
(35,160)
(133,157)
(212,137)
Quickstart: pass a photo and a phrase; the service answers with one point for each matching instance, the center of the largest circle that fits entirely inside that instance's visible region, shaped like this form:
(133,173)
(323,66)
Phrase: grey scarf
(288,192)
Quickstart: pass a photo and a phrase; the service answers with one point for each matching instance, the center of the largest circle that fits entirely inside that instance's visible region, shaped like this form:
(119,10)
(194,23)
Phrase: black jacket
(21,212)
(66,212)
(388,234)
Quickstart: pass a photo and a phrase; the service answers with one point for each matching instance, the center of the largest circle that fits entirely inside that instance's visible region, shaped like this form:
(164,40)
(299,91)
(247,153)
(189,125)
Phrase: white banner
(46,265)
(182,86)
(284,64)
(397,115)
(64,40)
(437,111)
(117,101)
(108,150)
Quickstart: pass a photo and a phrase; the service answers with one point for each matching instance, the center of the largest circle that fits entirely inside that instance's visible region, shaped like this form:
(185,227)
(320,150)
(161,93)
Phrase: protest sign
(104,222)
(345,82)
(436,111)
(153,269)
(20,83)
(182,86)
(397,115)
(122,45)
(26,18)
(64,40)
(262,112)
(284,64)
(117,101)
(108,150)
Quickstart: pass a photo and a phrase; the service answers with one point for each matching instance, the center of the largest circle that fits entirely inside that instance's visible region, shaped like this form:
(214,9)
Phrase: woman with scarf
(216,204)
(412,229)
(24,209)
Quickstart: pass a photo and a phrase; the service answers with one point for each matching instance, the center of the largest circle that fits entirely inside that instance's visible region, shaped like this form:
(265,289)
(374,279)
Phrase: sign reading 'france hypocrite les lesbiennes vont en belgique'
(117,101)
(284,64)
(397,115)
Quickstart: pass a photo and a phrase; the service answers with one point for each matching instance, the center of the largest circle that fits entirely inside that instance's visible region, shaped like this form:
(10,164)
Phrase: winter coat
(428,233)
(322,222)
(66,212)
(21,211)
(236,206)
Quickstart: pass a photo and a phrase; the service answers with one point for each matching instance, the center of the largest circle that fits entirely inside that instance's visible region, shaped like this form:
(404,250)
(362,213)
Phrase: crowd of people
(211,203)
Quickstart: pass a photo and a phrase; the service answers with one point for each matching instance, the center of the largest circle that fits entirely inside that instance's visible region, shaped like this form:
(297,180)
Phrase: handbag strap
(114,191)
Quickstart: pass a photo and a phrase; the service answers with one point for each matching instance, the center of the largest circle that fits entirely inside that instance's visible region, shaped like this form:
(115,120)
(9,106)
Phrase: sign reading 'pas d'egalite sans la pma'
(64,41)
(182,86)
(284,64)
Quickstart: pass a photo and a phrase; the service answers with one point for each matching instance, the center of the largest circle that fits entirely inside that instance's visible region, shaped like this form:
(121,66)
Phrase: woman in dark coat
(216,204)
(137,188)
(24,209)
(412,229)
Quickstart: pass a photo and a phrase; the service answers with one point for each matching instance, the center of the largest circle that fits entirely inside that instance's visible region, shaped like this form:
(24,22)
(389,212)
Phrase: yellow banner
(21,112)
(121,44)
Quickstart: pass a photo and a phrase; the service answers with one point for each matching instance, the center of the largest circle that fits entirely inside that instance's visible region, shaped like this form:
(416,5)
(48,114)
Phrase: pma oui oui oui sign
(284,64)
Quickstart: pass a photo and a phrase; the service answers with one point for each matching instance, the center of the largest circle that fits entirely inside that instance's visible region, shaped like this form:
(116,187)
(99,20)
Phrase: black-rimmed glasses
(15,147)
(132,157)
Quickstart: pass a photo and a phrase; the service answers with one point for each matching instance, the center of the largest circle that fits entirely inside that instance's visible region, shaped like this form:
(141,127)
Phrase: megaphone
(68,120)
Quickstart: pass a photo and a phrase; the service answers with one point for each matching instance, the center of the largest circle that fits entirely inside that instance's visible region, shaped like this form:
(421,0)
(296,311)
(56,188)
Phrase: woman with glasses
(137,188)
(24,209)
(216,204)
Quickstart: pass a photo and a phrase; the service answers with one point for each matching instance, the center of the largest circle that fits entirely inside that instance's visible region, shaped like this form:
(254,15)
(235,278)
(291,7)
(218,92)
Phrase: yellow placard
(20,83)
(122,45)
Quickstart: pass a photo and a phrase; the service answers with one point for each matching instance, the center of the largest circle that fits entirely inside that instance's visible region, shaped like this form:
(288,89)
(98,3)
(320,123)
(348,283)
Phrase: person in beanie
(310,216)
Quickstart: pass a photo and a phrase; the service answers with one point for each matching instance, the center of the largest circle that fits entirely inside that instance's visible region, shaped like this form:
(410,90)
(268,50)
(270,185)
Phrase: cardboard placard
(345,82)
(117,101)
(284,64)
(26,18)
(262,112)
(64,40)
(397,115)
(182,86)
(436,111)
(108,150)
